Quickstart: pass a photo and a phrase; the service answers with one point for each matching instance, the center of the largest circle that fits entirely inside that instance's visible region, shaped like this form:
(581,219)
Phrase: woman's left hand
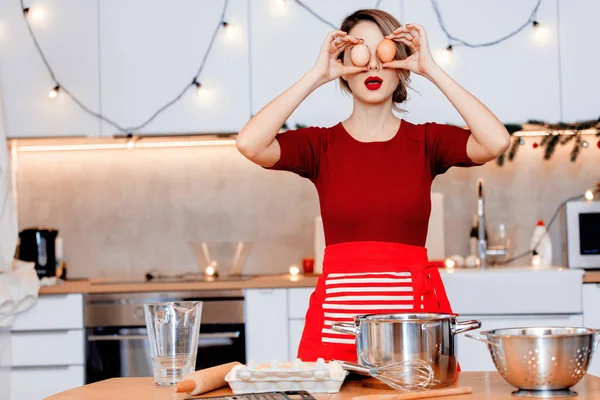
(421,61)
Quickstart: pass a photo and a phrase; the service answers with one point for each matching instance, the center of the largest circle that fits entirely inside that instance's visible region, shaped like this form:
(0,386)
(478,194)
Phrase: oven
(583,234)
(116,338)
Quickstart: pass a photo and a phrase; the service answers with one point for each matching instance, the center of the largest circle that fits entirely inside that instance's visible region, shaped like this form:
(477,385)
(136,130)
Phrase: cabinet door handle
(117,338)
(220,335)
(120,338)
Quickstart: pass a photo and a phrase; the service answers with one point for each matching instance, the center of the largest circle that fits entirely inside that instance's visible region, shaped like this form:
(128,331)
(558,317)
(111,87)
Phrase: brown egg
(360,55)
(386,50)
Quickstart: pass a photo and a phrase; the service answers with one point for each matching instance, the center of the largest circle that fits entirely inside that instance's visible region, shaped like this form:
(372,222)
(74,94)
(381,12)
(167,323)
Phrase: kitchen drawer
(296,326)
(52,312)
(48,348)
(474,355)
(266,324)
(41,382)
(298,300)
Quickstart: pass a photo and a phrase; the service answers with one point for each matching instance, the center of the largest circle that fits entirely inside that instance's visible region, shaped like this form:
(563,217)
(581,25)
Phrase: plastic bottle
(543,252)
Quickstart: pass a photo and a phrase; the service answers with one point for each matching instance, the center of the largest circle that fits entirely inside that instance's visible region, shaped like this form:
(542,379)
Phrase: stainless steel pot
(385,338)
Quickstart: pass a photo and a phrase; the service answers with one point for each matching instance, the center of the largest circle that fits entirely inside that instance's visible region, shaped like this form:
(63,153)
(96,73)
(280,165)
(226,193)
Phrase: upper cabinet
(579,33)
(150,50)
(129,59)
(67,31)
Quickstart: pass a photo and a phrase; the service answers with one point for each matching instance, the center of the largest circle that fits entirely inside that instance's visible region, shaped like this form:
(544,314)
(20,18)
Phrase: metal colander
(541,361)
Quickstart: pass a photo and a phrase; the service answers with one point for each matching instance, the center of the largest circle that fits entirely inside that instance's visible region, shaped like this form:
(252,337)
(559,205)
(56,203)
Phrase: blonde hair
(386,23)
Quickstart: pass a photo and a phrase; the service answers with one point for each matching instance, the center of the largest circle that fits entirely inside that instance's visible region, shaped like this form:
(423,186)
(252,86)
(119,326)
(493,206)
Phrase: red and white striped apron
(367,278)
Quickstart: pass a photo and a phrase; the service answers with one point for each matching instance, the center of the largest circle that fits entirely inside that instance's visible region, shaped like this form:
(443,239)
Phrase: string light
(585,144)
(589,195)
(541,34)
(446,56)
(198,85)
(53,93)
(222,24)
(458,41)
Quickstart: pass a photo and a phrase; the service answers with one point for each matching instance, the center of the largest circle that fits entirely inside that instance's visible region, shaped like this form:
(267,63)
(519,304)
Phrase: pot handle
(464,326)
(482,340)
(348,328)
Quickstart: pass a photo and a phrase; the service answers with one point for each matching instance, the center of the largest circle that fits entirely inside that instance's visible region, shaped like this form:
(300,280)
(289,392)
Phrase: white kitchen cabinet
(296,326)
(474,355)
(48,347)
(67,31)
(298,300)
(591,318)
(41,382)
(266,316)
(142,68)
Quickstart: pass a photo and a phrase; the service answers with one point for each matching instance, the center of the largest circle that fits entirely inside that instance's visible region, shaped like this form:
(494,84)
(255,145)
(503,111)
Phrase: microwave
(583,234)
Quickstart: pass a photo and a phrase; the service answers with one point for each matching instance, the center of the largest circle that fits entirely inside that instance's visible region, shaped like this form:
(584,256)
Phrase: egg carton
(319,377)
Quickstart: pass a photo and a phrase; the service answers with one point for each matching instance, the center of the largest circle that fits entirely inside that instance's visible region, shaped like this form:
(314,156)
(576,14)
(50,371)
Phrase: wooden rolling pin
(205,380)
(418,395)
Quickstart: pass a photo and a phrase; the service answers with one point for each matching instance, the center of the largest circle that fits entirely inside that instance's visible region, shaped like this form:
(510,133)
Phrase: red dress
(375,204)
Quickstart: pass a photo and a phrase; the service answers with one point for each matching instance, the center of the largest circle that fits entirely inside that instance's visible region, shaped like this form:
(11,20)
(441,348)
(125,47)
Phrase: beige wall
(124,212)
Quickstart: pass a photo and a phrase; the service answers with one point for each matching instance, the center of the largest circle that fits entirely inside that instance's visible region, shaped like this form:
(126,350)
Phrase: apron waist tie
(427,288)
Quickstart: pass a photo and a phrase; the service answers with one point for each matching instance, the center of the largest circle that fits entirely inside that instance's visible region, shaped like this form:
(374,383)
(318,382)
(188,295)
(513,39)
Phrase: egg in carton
(319,377)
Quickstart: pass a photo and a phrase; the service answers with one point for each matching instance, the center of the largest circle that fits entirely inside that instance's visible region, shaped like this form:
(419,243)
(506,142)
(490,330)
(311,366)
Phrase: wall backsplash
(125,212)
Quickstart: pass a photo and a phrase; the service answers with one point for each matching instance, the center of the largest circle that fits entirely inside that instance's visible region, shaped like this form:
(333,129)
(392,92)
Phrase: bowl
(221,258)
(541,361)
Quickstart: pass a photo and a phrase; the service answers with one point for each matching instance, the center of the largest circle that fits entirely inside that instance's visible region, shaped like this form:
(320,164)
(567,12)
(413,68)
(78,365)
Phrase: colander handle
(482,340)
(595,346)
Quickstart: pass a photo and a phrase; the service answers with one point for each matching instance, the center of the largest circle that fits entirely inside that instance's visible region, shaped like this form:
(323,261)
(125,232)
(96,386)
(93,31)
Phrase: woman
(373,175)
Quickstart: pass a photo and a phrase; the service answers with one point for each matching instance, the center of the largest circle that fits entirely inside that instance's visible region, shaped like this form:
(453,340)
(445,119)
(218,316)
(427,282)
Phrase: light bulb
(449,263)
(535,260)
(445,57)
(54,92)
(232,31)
(541,34)
(210,270)
(294,270)
(36,13)
(589,195)
(279,7)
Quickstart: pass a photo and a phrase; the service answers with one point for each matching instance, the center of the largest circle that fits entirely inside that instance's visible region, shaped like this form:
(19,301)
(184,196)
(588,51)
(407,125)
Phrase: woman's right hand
(328,67)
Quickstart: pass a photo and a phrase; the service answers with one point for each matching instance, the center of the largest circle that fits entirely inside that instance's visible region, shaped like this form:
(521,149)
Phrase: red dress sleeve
(300,151)
(447,147)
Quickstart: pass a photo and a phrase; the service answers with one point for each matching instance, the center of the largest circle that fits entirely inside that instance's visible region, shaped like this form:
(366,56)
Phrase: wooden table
(486,386)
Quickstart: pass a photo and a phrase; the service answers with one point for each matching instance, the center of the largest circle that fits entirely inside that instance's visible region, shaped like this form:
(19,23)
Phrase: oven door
(114,352)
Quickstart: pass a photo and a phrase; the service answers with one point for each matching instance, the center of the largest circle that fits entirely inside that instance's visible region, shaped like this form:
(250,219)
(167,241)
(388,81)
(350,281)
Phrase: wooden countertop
(486,385)
(591,277)
(106,286)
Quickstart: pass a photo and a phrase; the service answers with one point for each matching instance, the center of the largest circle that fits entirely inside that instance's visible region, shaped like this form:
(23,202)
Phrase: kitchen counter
(591,277)
(486,385)
(278,281)
(108,286)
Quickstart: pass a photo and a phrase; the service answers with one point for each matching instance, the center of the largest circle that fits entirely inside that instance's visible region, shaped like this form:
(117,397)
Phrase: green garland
(555,135)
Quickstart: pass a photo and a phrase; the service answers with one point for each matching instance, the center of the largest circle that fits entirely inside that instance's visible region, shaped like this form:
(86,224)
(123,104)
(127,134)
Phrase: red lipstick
(373,82)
